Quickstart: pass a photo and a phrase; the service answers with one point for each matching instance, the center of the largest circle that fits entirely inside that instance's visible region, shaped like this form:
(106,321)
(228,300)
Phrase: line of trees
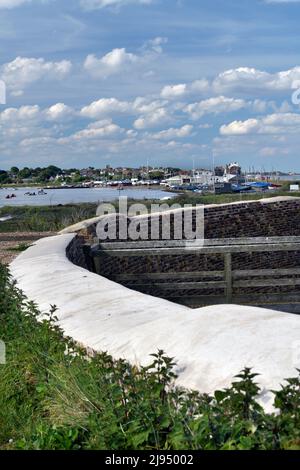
(16,175)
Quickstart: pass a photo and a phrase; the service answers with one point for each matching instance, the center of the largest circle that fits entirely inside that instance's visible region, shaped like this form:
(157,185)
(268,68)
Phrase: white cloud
(34,115)
(37,142)
(150,113)
(119,60)
(144,105)
(59,112)
(98,130)
(240,127)
(110,64)
(174,91)
(200,86)
(155,45)
(98,4)
(105,106)
(219,104)
(152,119)
(23,71)
(183,89)
(245,79)
(172,133)
(288,123)
(24,113)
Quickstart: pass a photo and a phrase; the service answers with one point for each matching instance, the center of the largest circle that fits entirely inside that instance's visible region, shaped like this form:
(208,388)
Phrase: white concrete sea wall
(210,345)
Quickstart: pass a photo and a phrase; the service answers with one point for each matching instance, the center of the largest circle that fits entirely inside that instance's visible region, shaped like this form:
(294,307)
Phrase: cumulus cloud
(183,89)
(105,106)
(173,133)
(288,123)
(23,71)
(109,64)
(120,60)
(24,113)
(144,106)
(98,130)
(174,91)
(153,119)
(246,79)
(149,113)
(32,115)
(59,112)
(98,4)
(17,123)
(216,105)
(30,128)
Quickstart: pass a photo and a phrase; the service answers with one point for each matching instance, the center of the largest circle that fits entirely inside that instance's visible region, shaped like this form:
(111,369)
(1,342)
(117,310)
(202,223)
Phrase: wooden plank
(241,274)
(175,276)
(276,298)
(97,264)
(196,250)
(228,276)
(151,244)
(180,285)
(249,299)
(266,283)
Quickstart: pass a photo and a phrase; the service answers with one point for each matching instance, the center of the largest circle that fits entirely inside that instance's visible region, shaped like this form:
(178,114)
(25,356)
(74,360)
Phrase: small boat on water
(40,193)
(10,196)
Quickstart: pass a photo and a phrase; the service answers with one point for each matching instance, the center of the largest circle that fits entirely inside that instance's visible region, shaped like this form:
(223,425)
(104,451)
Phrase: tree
(25,173)
(4,177)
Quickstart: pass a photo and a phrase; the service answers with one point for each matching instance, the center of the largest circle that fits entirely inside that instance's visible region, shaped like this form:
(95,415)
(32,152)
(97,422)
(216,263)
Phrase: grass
(44,218)
(54,396)
(19,248)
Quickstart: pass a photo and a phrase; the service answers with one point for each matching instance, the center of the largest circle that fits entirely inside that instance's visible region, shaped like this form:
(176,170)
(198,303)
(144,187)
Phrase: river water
(73,196)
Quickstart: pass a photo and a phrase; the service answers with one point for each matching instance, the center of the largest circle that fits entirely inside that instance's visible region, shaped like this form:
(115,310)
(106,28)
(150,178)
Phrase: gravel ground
(10,241)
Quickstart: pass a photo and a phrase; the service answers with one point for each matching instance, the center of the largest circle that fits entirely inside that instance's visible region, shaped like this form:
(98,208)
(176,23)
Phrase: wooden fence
(229,280)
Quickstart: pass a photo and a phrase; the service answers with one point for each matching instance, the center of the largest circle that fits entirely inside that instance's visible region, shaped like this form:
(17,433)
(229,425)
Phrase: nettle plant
(54,395)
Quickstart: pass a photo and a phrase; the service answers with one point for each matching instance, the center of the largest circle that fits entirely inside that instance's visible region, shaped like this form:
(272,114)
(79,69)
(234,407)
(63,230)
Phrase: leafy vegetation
(54,396)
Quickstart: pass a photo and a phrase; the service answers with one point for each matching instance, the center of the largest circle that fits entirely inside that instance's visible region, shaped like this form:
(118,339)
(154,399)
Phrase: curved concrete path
(210,345)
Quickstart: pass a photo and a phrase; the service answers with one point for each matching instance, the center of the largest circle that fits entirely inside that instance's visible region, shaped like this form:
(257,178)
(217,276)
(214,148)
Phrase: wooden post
(228,276)
(97,264)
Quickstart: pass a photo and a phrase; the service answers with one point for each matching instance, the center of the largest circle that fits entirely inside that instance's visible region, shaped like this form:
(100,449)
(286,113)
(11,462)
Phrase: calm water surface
(73,196)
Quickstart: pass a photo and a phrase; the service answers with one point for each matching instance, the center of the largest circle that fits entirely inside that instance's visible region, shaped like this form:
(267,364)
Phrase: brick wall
(249,219)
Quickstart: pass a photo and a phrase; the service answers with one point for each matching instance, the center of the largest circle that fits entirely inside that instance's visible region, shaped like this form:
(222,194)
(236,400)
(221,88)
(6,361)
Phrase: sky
(169,82)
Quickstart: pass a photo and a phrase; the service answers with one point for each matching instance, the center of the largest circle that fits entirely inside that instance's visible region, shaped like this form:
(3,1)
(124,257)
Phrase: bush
(53,395)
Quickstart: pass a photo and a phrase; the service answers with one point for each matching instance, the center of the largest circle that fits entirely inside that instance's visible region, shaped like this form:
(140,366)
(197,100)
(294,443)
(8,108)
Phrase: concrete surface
(210,345)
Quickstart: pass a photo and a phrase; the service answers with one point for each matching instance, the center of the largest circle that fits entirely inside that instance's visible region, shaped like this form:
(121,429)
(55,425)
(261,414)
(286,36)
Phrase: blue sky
(92,82)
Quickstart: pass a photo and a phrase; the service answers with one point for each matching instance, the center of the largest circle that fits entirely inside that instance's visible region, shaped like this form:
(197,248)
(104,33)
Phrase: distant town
(221,179)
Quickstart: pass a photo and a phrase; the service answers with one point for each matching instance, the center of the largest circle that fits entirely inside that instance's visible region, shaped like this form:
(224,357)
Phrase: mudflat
(12,243)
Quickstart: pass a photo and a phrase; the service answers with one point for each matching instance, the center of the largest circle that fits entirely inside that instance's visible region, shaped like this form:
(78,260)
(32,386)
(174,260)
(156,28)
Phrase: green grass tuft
(54,396)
